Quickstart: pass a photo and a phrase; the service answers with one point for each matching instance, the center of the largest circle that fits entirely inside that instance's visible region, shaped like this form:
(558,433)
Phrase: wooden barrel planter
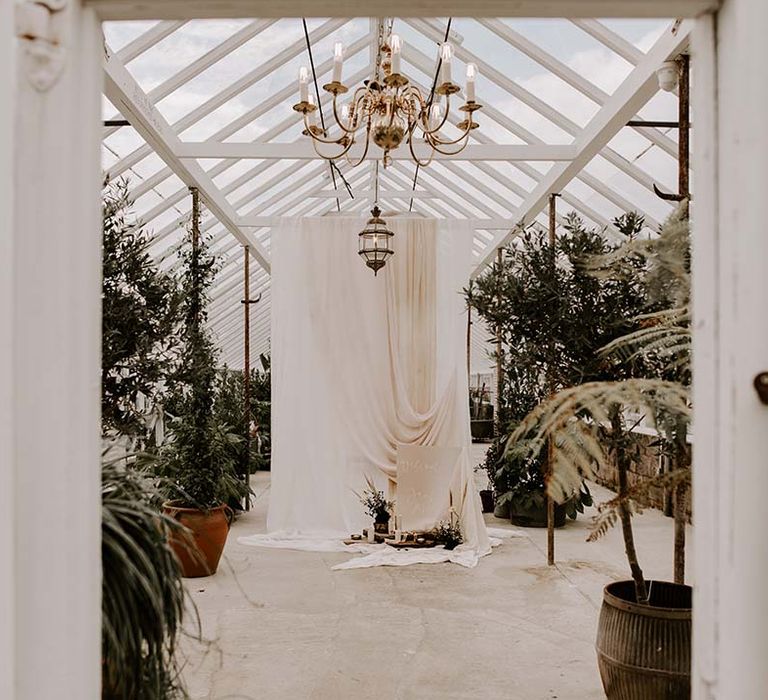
(644,651)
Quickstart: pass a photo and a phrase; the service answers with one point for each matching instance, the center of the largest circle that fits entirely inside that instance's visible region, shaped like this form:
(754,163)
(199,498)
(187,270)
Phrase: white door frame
(49,405)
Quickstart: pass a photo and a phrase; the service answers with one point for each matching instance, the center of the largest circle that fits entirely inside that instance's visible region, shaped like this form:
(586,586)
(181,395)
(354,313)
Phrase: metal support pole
(247,371)
(499,365)
(680,492)
(551,381)
(684,108)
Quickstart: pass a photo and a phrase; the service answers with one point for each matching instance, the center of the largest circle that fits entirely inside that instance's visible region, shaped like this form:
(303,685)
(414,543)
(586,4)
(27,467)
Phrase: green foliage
(198,460)
(587,424)
(375,503)
(552,315)
(140,319)
(143,597)
(229,409)
(448,534)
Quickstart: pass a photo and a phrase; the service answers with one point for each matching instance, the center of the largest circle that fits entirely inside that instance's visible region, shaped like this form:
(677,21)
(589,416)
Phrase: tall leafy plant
(588,424)
(551,316)
(229,407)
(140,319)
(198,459)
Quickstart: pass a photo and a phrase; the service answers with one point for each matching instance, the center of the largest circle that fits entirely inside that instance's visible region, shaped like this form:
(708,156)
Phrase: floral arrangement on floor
(448,534)
(376,505)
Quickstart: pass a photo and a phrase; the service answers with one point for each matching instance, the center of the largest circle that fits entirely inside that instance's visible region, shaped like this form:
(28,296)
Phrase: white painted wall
(731,296)
(55,330)
(7,627)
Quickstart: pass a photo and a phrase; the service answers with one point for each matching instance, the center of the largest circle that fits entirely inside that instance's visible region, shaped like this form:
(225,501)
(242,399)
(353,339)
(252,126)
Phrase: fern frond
(571,420)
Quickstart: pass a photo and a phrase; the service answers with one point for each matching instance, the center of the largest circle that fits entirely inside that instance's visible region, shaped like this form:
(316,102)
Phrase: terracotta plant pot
(644,651)
(199,549)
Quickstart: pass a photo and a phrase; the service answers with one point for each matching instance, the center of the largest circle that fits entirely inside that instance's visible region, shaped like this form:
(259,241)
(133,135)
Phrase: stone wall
(648,466)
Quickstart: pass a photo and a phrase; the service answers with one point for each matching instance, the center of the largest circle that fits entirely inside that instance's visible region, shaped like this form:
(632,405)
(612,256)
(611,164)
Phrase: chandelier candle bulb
(471,76)
(446,54)
(397,48)
(303,84)
(338,59)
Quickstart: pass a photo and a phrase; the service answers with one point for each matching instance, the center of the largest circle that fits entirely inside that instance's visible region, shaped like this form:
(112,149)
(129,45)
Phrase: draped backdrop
(364,364)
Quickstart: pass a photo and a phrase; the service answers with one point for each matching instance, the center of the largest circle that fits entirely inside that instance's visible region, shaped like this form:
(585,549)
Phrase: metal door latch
(761,387)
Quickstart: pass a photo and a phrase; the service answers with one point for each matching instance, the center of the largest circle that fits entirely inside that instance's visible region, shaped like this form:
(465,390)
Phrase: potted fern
(644,633)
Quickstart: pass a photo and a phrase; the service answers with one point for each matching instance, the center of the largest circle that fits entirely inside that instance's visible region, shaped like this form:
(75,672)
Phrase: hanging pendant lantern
(374,241)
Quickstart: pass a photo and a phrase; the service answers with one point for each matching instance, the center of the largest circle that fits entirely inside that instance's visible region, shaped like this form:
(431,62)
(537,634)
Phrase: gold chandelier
(389,110)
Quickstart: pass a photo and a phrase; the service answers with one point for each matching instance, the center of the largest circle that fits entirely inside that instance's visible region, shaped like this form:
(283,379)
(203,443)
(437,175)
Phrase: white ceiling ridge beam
(198,66)
(146,40)
(528,98)
(416,194)
(610,39)
(495,223)
(634,92)
(302,149)
(126,94)
(245,119)
(244,82)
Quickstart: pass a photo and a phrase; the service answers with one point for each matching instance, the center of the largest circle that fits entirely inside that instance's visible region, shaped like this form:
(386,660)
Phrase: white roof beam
(231,91)
(569,75)
(629,97)
(205,61)
(126,94)
(524,95)
(421,62)
(249,117)
(303,149)
(616,43)
(204,9)
(146,40)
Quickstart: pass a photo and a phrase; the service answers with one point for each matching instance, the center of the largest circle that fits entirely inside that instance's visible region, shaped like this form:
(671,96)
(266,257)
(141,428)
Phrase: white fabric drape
(361,365)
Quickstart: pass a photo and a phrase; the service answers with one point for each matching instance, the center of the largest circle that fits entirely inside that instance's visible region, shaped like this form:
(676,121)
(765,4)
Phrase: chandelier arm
(317,139)
(436,147)
(341,126)
(365,150)
(420,163)
(341,154)
(443,142)
(424,126)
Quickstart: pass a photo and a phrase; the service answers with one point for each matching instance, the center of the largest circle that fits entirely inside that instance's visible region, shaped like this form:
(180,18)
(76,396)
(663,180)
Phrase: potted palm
(644,632)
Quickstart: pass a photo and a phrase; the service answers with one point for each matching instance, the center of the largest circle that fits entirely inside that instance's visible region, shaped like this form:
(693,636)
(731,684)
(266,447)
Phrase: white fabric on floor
(360,365)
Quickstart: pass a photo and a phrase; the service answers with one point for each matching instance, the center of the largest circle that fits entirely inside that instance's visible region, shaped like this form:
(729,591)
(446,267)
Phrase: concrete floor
(282,625)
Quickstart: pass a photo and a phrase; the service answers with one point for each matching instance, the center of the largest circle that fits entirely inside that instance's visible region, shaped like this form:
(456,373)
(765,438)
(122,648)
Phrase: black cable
(332,164)
(429,104)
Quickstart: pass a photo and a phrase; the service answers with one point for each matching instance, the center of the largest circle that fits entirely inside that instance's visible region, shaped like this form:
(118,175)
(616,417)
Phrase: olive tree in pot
(644,633)
(197,461)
